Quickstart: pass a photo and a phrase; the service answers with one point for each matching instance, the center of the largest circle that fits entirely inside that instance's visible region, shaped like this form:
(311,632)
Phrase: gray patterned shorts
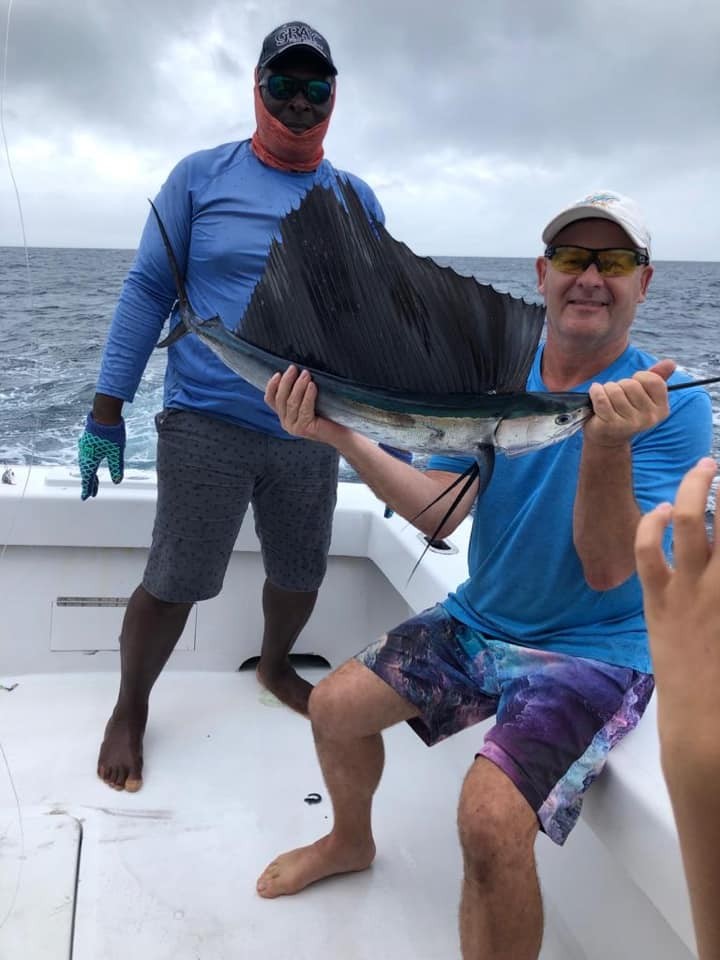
(208,471)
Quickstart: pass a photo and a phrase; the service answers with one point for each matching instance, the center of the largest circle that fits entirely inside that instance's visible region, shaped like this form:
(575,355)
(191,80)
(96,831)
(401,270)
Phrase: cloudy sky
(474,120)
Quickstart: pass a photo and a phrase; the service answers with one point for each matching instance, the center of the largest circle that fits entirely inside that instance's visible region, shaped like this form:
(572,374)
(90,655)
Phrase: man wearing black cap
(219,446)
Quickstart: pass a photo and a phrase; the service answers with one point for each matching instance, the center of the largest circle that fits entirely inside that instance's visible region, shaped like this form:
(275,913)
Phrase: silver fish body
(460,424)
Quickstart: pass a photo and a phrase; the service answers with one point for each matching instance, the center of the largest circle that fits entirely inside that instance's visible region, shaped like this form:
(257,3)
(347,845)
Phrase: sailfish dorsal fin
(341,295)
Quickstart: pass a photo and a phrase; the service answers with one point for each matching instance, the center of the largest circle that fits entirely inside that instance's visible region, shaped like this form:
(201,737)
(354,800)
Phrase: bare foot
(293,871)
(121,758)
(286,685)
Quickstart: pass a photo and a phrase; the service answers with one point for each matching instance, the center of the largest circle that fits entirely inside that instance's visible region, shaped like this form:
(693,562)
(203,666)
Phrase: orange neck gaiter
(279,147)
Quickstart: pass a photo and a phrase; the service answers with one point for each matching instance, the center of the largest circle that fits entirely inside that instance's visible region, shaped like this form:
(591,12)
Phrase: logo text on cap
(295,34)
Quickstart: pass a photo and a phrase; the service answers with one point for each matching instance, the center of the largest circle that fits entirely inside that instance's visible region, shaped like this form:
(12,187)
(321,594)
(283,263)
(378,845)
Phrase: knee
(336,708)
(486,834)
(170,609)
(353,704)
(497,829)
(145,602)
(326,707)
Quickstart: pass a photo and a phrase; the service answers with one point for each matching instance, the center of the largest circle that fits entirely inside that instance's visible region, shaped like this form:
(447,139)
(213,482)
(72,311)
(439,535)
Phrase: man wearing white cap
(547,633)
(604,205)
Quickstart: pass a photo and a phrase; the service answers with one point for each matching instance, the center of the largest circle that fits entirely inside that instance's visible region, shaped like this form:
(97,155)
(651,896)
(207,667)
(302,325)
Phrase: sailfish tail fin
(184,327)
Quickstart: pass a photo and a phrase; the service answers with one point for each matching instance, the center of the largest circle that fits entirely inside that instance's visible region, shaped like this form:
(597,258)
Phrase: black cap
(295,35)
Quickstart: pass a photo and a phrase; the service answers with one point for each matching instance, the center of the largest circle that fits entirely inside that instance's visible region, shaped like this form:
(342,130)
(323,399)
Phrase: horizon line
(445,256)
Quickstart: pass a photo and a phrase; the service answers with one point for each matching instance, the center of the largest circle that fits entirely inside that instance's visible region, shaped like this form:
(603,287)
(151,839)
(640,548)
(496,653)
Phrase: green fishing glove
(97,443)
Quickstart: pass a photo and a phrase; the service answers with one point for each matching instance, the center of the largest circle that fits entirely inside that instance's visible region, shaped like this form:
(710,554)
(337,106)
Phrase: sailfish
(401,349)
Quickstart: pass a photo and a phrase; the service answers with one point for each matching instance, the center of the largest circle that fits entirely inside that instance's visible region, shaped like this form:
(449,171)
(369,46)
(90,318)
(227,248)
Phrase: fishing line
(3,134)
(28,272)
(21,827)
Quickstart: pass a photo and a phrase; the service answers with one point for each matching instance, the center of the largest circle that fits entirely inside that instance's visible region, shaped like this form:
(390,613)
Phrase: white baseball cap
(604,205)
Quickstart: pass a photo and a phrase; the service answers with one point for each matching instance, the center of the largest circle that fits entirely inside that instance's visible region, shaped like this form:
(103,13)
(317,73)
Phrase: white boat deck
(169,872)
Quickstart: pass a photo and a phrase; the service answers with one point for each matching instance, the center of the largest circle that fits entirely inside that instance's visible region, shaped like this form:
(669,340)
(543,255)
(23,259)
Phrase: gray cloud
(97,64)
(512,102)
(537,80)
(492,76)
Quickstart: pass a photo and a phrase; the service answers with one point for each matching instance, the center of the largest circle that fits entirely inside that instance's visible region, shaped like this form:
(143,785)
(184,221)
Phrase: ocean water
(54,318)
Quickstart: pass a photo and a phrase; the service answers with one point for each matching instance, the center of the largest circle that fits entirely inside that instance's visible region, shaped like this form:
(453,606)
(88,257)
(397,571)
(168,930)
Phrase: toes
(117,778)
(265,882)
(267,890)
(133,777)
(107,775)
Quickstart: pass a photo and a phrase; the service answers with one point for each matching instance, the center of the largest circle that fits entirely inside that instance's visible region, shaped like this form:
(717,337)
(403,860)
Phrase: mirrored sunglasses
(285,88)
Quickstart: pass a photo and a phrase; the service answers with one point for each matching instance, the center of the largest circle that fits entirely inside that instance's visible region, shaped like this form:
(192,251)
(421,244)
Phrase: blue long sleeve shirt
(222,209)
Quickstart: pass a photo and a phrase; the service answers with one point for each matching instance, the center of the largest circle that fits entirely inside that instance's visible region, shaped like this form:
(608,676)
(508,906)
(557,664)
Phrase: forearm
(606,515)
(132,337)
(682,610)
(148,293)
(694,787)
(402,487)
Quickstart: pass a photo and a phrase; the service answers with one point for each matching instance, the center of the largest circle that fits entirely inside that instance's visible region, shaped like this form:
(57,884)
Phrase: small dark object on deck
(313,798)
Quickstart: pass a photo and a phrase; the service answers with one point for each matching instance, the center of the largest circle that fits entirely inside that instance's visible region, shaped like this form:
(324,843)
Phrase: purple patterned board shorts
(557,716)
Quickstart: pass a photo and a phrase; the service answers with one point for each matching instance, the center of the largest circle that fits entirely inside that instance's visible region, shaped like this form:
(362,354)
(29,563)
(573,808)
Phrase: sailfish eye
(562,418)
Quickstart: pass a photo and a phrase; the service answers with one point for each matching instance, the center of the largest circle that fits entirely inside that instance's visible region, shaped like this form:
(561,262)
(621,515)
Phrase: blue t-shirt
(526,583)
(222,209)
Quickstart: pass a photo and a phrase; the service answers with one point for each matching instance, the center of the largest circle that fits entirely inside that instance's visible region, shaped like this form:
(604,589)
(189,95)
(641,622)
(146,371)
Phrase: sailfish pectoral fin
(177,333)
